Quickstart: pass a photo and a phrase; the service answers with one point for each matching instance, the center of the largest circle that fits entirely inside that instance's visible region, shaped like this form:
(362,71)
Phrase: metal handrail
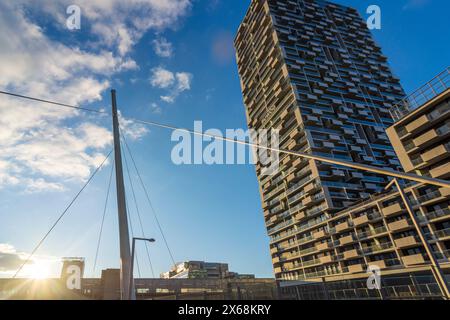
(430,90)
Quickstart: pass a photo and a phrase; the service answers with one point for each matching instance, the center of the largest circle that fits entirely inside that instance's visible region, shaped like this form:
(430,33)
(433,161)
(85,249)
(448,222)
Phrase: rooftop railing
(430,90)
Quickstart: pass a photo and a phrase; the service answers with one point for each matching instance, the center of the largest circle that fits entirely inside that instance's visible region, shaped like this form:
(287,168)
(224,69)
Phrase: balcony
(417,161)
(305,239)
(445,192)
(444,255)
(407,242)
(277,270)
(410,146)
(383,264)
(437,214)
(280,226)
(429,196)
(426,138)
(307,251)
(356,268)
(444,130)
(351,254)
(326,259)
(319,234)
(361,220)
(311,262)
(441,171)
(299,184)
(380,264)
(436,154)
(441,234)
(399,225)
(323,246)
(300,216)
(346,240)
(392,210)
(416,124)
(343,226)
(377,248)
(413,260)
(367,234)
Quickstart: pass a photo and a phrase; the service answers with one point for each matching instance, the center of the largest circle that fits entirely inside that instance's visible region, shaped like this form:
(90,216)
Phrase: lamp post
(151,240)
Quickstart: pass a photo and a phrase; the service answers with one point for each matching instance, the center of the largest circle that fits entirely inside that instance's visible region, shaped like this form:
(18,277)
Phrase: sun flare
(40,269)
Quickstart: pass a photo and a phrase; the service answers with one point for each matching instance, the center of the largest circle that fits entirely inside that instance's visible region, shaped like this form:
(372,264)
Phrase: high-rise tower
(311,69)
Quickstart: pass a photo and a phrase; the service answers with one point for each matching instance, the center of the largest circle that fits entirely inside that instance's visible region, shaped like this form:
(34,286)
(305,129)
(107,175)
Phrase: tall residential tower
(312,70)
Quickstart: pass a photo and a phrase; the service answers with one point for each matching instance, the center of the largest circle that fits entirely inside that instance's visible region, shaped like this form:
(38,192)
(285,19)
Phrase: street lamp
(151,240)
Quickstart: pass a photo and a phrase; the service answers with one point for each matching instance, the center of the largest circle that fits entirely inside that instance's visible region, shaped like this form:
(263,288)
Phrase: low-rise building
(201,270)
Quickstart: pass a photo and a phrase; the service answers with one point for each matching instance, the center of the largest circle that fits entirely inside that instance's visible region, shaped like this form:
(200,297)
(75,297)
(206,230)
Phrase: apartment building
(379,231)
(312,70)
(421,134)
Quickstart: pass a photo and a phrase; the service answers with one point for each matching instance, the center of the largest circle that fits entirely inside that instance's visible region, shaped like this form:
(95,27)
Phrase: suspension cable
(27,260)
(138,214)
(52,102)
(349,164)
(150,202)
(103,219)
(130,223)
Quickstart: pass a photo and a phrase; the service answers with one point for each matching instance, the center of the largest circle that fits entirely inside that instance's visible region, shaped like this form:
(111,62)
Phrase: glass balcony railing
(429,196)
(442,233)
(417,161)
(280,226)
(305,239)
(438,213)
(299,184)
(312,223)
(376,248)
(443,130)
(367,234)
(409,146)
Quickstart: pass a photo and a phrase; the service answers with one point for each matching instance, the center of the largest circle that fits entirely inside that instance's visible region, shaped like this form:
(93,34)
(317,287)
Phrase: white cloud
(11,260)
(40,185)
(168,99)
(6,177)
(175,83)
(184,81)
(58,152)
(44,146)
(162,47)
(162,78)
(155,108)
(121,23)
(131,129)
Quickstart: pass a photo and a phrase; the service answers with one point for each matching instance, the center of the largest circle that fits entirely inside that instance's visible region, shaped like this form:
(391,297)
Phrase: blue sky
(208,213)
